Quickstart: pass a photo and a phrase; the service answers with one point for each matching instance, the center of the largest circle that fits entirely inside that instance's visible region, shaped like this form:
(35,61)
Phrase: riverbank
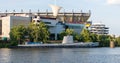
(73,45)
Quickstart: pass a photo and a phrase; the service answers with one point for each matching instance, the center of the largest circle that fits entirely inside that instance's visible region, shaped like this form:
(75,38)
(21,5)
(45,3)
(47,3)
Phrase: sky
(104,11)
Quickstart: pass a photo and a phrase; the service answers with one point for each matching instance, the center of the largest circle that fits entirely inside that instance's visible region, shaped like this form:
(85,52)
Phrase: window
(38,21)
(47,22)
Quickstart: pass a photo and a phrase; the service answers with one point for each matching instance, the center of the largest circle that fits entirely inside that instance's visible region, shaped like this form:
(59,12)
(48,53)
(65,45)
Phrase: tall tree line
(86,36)
(34,32)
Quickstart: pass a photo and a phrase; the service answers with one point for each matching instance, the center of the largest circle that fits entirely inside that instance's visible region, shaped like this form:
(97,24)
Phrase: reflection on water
(60,55)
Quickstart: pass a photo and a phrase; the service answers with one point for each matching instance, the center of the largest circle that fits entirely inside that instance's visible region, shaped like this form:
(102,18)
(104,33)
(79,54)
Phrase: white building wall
(10,21)
(5,26)
(59,28)
(17,20)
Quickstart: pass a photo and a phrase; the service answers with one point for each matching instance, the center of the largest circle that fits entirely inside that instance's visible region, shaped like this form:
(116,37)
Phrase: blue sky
(105,11)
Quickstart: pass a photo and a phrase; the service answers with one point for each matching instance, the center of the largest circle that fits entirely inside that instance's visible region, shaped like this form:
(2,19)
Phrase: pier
(74,45)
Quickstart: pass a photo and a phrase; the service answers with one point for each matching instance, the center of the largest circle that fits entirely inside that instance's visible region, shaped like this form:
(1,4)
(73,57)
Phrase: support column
(112,44)
(55,36)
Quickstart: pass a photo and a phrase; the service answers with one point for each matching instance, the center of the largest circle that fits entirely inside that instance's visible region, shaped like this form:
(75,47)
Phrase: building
(10,21)
(65,16)
(76,27)
(55,27)
(56,21)
(99,28)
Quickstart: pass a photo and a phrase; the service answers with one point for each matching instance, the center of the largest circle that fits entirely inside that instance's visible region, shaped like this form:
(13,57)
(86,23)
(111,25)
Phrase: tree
(67,32)
(35,32)
(62,34)
(117,40)
(78,37)
(104,40)
(17,33)
(38,32)
(94,37)
(85,35)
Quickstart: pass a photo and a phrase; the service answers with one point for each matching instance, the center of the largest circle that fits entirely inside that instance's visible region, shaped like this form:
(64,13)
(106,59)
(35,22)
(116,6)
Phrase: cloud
(113,1)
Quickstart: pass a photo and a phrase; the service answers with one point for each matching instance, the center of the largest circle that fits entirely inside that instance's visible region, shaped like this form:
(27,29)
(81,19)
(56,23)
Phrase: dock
(74,45)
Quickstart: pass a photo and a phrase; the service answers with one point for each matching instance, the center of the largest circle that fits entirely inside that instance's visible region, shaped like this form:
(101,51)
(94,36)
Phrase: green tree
(62,34)
(94,37)
(117,40)
(79,37)
(85,36)
(17,34)
(35,32)
(38,32)
(104,40)
(67,32)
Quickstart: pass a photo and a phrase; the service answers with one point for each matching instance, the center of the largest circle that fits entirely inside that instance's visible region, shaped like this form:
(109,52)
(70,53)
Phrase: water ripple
(60,55)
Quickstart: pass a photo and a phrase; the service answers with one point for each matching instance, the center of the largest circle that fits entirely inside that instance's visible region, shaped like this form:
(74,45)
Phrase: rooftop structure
(65,16)
(55,10)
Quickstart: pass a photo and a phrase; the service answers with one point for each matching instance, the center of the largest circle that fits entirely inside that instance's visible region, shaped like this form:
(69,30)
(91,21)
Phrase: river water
(60,55)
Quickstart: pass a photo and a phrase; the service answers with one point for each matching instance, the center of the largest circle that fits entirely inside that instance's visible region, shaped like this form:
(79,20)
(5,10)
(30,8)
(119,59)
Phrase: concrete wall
(5,26)
(10,21)
(67,40)
(17,20)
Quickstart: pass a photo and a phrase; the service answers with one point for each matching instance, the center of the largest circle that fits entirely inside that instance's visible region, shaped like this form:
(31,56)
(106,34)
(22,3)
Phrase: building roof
(98,24)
